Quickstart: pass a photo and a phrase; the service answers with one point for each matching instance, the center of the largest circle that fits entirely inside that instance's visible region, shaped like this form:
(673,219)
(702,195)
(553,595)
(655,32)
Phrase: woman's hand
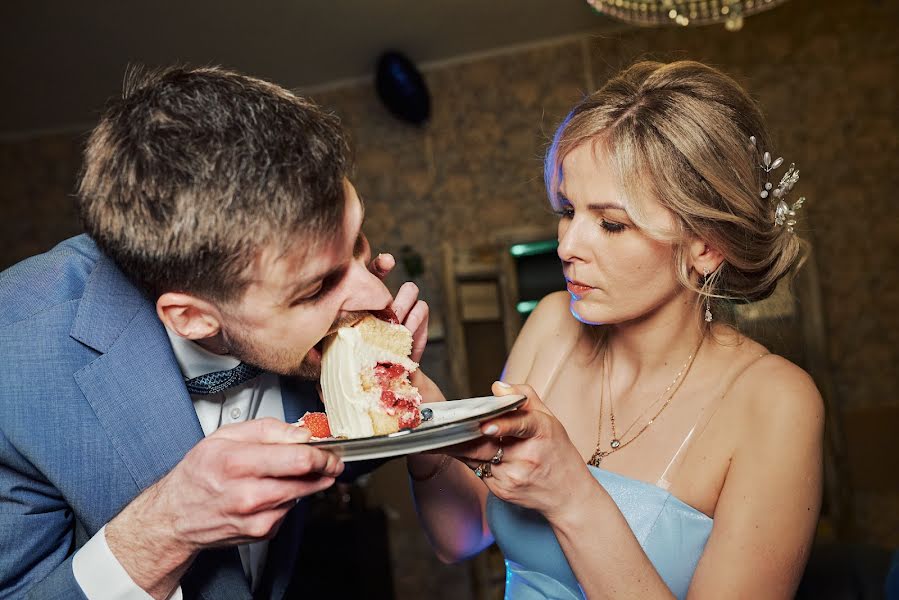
(532,462)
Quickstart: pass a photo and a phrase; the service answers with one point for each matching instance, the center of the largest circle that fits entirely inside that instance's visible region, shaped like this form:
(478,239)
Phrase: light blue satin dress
(672,533)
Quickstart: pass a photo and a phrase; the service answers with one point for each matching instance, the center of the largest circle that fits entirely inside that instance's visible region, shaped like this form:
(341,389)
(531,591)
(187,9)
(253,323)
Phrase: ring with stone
(483,471)
(498,457)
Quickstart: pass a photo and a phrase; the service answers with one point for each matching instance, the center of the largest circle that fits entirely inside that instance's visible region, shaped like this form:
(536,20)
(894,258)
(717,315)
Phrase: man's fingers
(264,431)
(272,493)
(382,264)
(417,322)
(280,460)
(405,300)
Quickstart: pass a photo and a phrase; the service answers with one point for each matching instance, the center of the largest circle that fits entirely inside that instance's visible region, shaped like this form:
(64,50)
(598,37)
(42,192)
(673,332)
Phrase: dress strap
(557,367)
(703,419)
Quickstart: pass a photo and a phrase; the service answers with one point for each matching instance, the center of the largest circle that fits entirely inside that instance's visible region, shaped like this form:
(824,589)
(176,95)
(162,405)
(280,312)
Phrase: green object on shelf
(532,248)
(526,307)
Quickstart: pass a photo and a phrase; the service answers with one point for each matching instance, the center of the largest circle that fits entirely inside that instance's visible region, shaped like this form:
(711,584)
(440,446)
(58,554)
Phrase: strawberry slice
(316,423)
(386,314)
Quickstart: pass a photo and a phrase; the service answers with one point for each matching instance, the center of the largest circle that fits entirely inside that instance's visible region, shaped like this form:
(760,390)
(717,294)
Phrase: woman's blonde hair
(679,133)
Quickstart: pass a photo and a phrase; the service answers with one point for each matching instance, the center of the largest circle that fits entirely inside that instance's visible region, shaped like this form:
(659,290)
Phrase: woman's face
(615,272)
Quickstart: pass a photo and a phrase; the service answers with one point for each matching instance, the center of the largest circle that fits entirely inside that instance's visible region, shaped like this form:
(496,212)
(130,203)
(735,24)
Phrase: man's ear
(704,258)
(188,316)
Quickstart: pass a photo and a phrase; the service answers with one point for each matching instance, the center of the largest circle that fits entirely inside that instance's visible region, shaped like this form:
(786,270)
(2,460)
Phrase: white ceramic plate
(453,422)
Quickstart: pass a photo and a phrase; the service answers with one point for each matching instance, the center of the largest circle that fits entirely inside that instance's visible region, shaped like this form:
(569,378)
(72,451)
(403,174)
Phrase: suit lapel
(136,389)
(298,397)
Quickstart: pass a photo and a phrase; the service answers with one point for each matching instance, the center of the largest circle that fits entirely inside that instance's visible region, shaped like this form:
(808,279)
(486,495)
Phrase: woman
(660,451)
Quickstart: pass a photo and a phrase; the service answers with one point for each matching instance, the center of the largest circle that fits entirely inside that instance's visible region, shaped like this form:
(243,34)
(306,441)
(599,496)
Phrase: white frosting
(345,358)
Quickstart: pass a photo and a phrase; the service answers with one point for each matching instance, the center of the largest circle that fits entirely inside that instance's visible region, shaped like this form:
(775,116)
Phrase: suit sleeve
(36,533)
(354,470)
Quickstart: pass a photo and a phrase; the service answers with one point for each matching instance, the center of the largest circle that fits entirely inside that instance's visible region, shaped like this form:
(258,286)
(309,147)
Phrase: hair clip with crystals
(784,214)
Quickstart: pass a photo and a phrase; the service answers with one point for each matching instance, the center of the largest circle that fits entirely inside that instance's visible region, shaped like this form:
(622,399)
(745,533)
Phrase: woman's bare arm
(767,511)
(451,504)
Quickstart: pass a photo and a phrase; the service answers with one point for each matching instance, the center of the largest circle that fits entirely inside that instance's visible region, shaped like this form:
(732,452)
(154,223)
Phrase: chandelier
(654,13)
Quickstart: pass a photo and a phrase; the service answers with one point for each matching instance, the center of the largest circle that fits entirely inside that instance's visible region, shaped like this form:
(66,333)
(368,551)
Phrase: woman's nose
(571,241)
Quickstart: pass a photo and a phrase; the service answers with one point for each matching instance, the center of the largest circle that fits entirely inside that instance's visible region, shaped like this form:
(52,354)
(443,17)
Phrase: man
(151,369)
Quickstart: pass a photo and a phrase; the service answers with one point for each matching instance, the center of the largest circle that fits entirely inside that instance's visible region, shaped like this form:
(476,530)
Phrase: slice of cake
(365,378)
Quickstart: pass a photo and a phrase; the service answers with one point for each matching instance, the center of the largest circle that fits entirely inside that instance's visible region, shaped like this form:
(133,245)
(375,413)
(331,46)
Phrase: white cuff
(102,577)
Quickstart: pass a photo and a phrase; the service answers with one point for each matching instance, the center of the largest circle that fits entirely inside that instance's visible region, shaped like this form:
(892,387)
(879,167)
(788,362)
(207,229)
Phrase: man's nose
(365,290)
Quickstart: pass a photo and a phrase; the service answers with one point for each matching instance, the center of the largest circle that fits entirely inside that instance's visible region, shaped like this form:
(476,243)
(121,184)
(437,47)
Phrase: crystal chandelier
(653,13)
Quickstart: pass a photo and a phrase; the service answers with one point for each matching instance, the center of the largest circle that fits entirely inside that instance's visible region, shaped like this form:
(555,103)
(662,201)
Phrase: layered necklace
(619,442)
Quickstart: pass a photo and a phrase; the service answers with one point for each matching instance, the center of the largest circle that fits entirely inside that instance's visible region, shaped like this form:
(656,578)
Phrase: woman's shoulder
(551,326)
(775,395)
(549,329)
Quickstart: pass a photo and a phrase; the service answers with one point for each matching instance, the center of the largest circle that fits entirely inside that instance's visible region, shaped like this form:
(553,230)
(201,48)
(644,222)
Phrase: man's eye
(311,295)
(327,284)
(360,247)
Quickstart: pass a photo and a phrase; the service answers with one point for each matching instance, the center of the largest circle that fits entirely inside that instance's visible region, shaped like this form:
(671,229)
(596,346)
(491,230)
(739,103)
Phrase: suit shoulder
(47,280)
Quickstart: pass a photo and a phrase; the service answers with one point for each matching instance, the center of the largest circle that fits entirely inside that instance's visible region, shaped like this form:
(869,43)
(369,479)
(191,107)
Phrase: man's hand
(410,310)
(235,486)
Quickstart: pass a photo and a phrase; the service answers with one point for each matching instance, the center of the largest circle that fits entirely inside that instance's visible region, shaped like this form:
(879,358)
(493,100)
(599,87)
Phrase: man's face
(296,298)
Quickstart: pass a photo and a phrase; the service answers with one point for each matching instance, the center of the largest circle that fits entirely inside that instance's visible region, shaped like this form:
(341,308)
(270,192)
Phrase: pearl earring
(708,304)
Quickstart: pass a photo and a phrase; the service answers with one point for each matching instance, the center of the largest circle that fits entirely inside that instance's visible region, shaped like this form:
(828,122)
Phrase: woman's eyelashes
(567,212)
(612,226)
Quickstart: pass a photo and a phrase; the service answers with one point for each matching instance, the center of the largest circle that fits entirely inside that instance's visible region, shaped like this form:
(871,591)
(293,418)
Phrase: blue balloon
(402,89)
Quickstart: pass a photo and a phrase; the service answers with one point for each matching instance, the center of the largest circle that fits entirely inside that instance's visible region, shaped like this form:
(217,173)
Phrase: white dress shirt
(96,569)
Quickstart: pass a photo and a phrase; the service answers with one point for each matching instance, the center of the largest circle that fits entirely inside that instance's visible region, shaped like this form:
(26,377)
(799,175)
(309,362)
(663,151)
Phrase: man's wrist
(141,539)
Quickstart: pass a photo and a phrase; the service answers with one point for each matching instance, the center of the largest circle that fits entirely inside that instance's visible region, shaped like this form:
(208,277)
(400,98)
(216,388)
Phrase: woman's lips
(577,288)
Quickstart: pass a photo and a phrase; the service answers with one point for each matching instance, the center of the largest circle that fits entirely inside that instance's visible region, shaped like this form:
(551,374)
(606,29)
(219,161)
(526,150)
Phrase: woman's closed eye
(612,226)
(567,212)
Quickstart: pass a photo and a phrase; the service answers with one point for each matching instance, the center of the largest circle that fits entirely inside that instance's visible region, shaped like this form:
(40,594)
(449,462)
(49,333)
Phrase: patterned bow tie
(213,383)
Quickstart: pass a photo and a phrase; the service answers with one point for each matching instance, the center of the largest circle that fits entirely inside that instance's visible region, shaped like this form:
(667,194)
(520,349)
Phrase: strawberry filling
(386,314)
(392,378)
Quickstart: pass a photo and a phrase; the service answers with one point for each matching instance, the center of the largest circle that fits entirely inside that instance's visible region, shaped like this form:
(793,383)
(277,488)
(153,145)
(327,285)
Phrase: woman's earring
(708,304)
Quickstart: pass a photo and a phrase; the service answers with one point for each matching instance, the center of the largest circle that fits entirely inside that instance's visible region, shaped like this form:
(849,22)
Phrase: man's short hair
(192,172)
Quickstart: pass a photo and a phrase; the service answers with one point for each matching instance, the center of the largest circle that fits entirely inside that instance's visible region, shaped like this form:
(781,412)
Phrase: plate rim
(406,434)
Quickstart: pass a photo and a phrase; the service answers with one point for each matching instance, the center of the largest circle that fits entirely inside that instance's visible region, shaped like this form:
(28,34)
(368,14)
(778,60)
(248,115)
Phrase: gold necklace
(616,443)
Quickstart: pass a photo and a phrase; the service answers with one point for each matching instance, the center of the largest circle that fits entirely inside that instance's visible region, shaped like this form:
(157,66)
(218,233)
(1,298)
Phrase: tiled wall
(825,75)
(824,72)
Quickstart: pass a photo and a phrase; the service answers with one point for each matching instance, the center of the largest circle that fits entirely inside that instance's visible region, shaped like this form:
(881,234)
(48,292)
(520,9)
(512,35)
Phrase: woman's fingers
(501,388)
(528,421)
(521,424)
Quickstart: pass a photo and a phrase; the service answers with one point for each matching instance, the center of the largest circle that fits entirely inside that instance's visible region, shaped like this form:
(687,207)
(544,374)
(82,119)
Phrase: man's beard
(243,347)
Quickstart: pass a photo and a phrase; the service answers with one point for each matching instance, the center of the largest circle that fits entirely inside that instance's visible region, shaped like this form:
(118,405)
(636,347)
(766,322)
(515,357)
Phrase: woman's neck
(659,341)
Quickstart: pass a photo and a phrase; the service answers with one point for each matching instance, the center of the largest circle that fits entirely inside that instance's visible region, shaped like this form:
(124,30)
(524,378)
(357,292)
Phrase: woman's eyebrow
(605,206)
